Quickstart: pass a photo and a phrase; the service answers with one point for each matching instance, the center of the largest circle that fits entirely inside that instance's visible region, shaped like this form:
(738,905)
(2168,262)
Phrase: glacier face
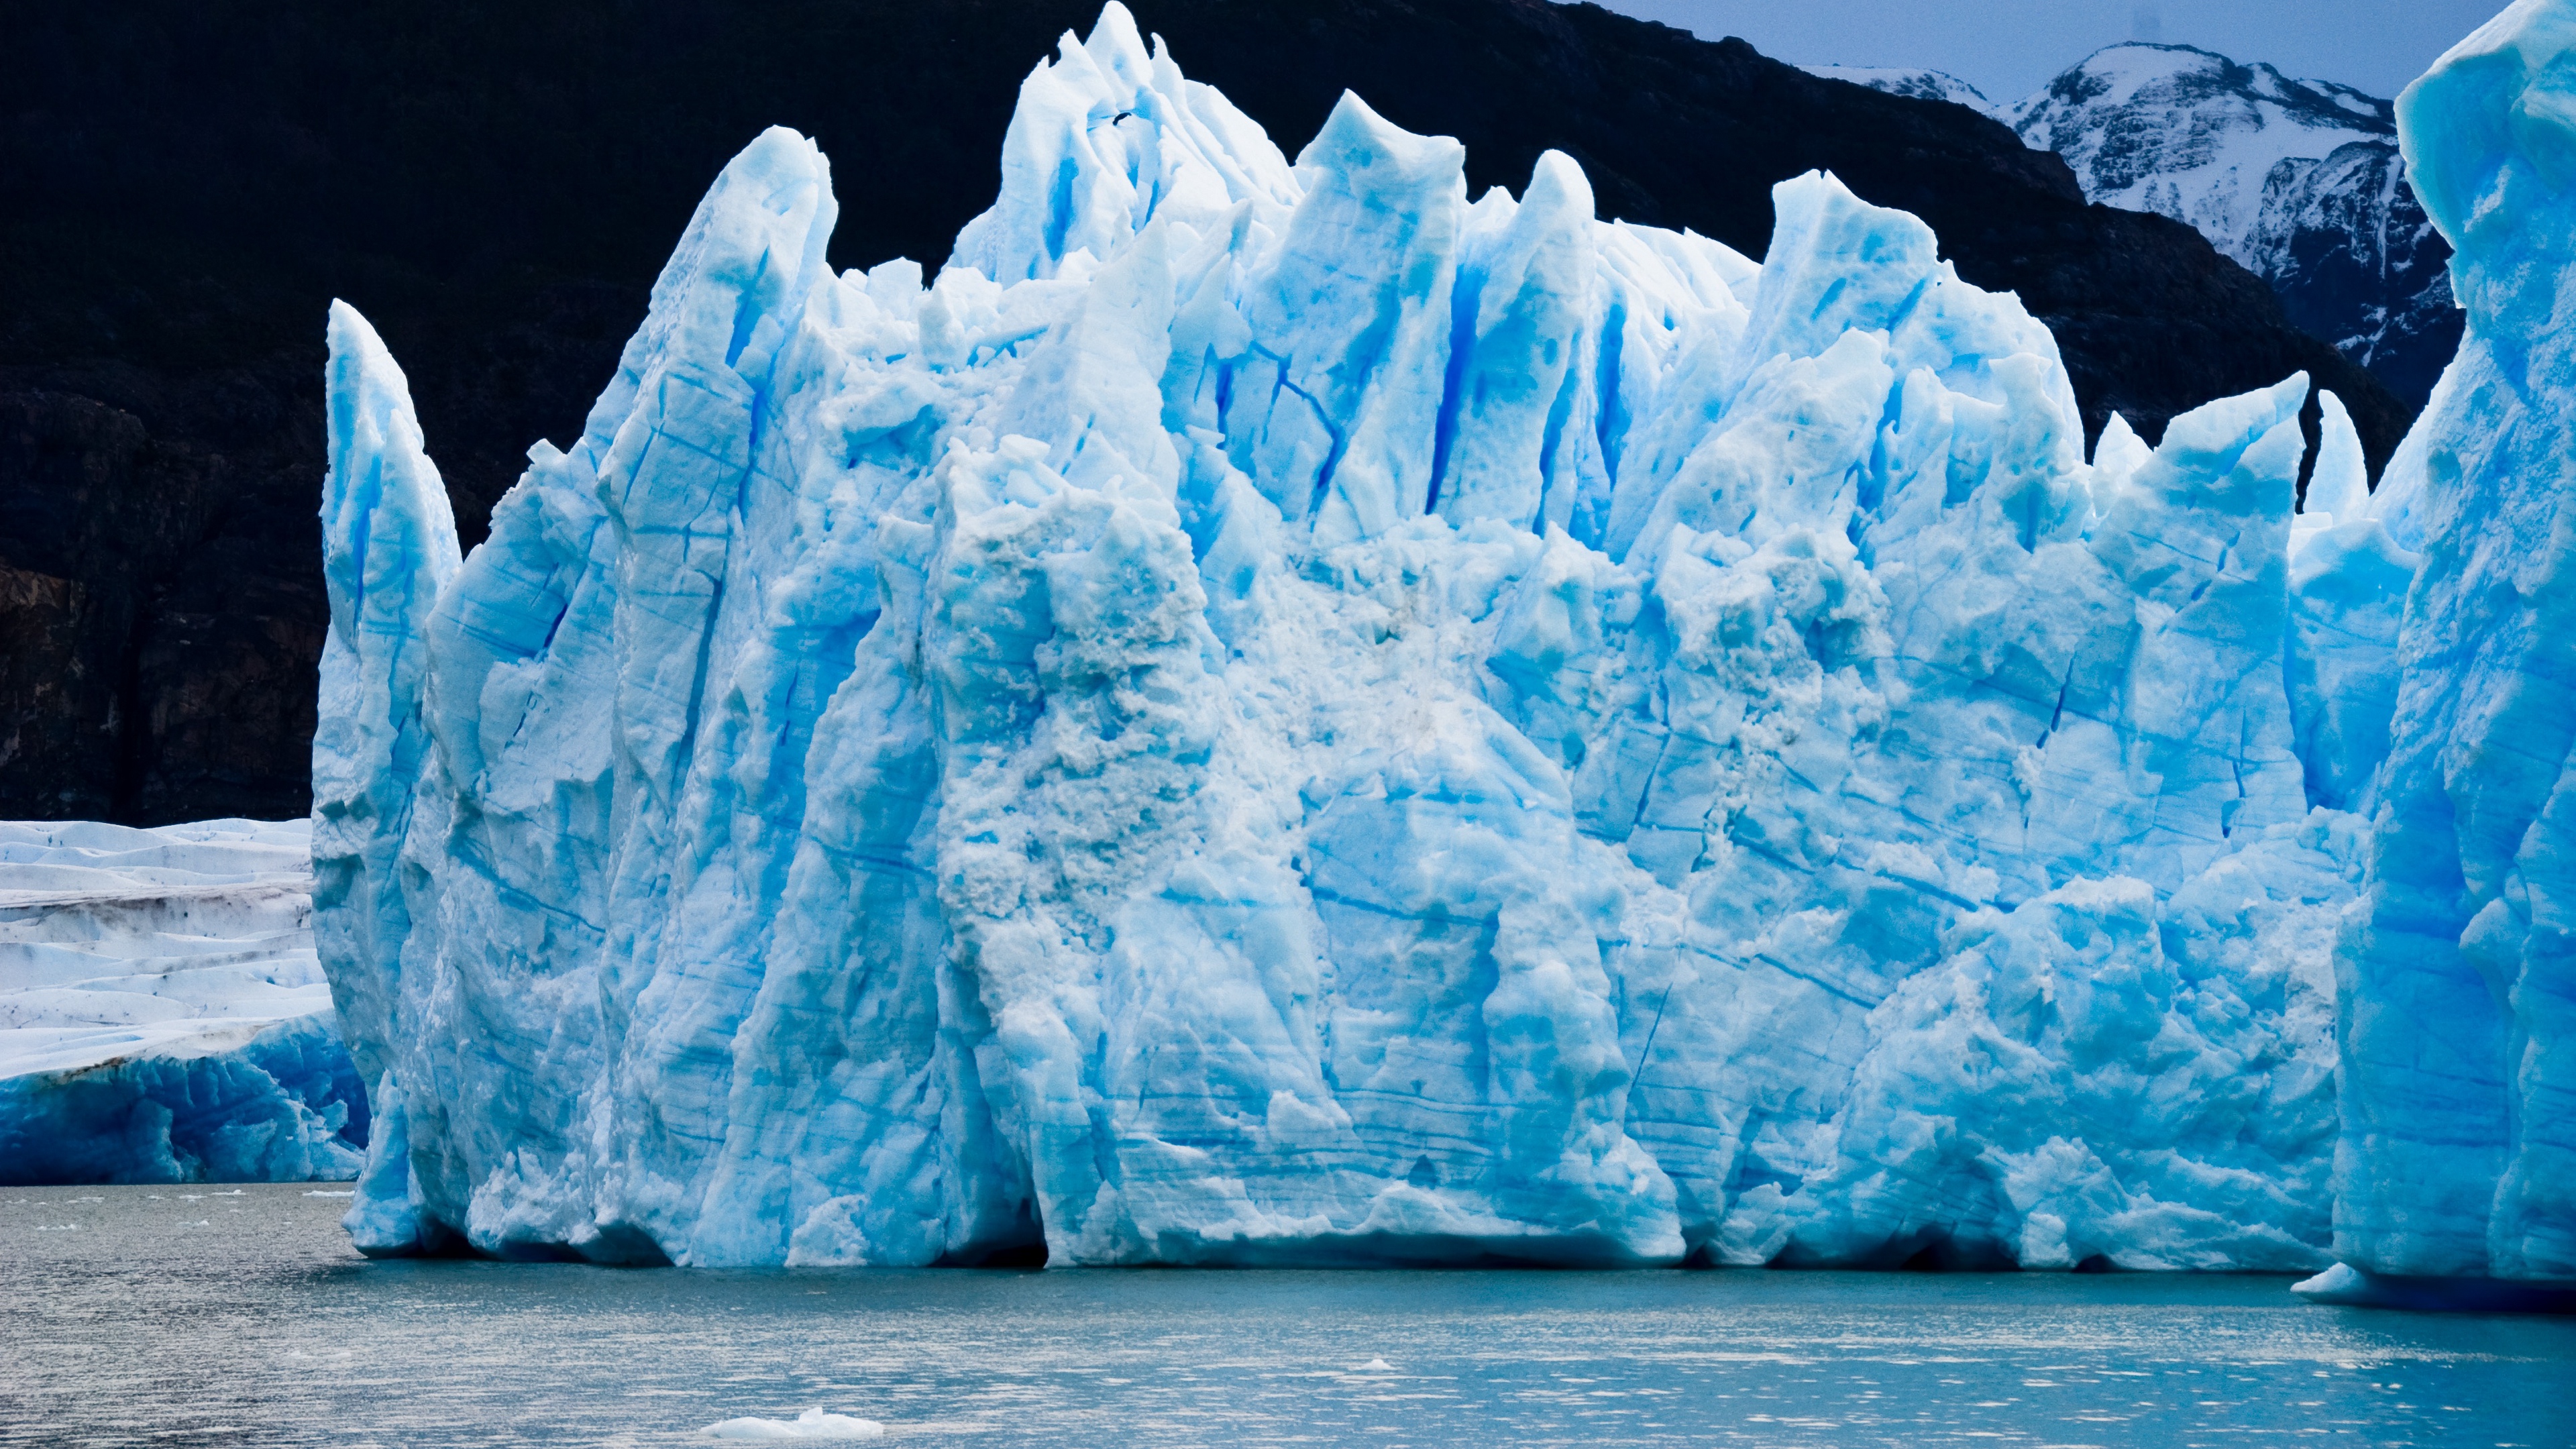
(163,1017)
(1274,713)
(2458,1154)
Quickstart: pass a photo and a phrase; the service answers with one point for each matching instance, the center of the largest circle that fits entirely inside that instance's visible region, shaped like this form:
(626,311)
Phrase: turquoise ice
(1276,713)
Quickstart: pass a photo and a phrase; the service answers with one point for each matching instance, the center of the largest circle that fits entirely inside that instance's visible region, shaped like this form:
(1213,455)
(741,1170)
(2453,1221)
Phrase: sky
(2009,48)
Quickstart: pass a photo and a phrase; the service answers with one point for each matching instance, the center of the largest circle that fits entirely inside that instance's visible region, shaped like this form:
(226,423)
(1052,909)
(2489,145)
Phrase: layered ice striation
(162,1014)
(1275,712)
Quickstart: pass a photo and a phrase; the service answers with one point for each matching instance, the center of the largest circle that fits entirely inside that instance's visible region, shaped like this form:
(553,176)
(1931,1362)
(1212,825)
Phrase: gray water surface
(196,1316)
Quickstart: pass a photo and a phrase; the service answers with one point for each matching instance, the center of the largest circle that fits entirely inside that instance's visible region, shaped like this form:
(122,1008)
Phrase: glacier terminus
(1274,712)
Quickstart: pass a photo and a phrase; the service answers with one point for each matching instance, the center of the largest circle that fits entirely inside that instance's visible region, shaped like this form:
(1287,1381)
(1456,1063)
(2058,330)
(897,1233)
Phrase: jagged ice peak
(1276,713)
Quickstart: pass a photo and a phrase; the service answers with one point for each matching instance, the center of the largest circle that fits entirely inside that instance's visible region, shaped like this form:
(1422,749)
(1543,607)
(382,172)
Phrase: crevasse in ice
(1276,713)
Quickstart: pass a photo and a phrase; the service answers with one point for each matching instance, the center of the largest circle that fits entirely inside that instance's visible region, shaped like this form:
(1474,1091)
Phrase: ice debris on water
(812,1424)
(1275,713)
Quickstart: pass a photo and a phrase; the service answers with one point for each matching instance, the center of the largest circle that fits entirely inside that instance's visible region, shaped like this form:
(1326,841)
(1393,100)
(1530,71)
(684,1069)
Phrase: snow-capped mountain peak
(2298,180)
(2193,135)
(2187,77)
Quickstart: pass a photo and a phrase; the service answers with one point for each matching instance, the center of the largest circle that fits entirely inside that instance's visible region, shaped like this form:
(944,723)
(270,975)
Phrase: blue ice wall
(2458,1152)
(1278,713)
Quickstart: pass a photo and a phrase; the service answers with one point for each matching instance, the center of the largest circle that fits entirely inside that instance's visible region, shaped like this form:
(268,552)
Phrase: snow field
(163,1017)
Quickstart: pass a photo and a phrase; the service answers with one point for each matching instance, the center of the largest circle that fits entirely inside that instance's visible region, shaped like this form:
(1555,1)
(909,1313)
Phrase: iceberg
(1273,712)
(163,1015)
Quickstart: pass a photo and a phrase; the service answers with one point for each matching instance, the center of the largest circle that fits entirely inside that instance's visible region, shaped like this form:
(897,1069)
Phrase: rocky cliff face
(182,192)
(153,636)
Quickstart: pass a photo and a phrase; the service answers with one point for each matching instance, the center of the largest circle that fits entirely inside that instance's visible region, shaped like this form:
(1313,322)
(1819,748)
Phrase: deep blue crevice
(1464,298)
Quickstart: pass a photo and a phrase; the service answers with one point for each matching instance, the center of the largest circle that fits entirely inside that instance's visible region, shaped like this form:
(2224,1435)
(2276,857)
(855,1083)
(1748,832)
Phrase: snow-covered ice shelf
(1276,713)
(162,1015)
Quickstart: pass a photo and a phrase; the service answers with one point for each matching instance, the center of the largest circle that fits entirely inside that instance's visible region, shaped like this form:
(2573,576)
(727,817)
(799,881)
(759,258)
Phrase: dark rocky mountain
(2357,262)
(184,187)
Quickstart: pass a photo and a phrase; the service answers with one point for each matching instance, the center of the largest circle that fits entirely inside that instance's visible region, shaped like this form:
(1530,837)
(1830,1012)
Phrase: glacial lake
(204,1316)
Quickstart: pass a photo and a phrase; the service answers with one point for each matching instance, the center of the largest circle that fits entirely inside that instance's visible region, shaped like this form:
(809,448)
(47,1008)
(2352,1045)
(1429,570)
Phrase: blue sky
(2009,48)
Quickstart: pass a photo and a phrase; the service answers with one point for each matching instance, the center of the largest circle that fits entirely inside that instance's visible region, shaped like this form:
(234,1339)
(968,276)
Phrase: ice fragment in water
(812,1424)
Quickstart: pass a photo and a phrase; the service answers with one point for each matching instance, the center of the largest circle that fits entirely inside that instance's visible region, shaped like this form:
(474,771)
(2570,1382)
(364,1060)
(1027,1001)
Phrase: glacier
(1272,712)
(163,1014)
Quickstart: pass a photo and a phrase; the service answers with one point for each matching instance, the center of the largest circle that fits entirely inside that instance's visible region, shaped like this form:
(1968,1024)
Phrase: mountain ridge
(2299,181)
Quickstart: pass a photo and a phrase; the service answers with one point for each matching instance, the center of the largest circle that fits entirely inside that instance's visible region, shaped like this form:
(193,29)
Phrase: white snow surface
(1274,713)
(180,941)
(163,1016)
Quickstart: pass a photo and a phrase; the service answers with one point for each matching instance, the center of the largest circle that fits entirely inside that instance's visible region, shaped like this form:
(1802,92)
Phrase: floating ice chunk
(1375,1366)
(812,1424)
(2339,1284)
(2346,1286)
